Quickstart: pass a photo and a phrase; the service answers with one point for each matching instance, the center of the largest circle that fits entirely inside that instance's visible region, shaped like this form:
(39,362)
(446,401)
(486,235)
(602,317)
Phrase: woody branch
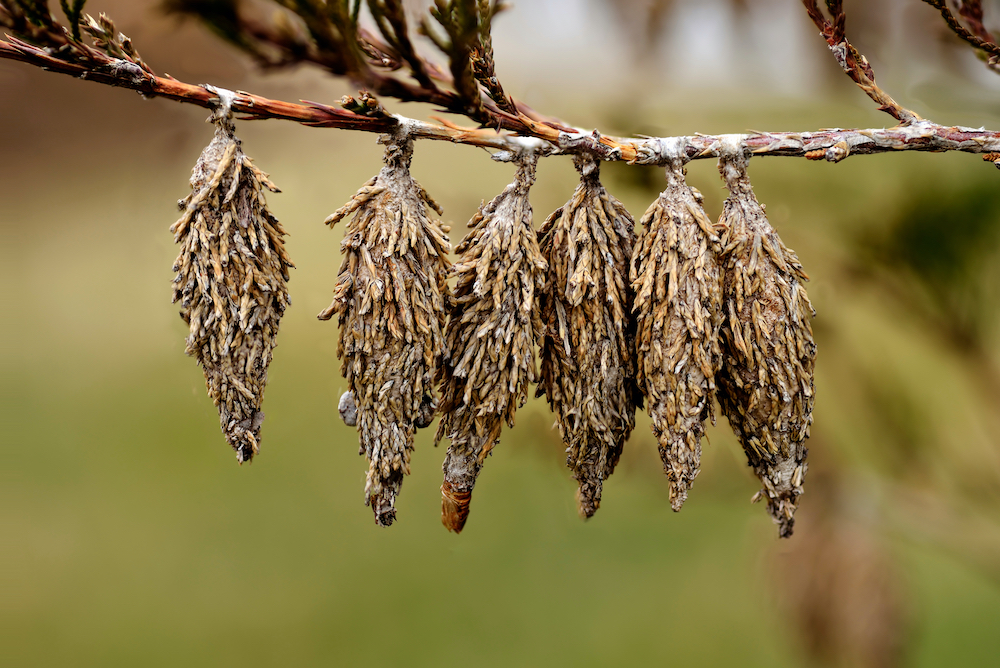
(54,48)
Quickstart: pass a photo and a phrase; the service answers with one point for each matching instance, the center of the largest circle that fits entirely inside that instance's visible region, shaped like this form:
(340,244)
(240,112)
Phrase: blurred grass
(131,537)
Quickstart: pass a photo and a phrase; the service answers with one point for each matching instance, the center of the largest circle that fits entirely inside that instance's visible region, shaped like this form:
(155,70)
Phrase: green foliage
(941,246)
(73,10)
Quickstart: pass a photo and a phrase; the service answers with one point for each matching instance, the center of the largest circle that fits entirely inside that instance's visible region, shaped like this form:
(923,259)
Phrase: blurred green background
(129,536)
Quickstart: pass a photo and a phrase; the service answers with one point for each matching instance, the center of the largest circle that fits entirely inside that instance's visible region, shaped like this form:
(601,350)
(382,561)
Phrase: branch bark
(533,131)
(831,145)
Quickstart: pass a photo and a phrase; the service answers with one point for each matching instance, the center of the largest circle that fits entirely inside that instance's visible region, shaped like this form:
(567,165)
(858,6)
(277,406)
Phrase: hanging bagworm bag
(390,298)
(766,386)
(677,279)
(232,272)
(588,348)
(491,335)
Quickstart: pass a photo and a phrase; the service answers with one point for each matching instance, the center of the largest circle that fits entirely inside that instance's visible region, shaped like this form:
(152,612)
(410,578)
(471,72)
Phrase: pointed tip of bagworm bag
(454,507)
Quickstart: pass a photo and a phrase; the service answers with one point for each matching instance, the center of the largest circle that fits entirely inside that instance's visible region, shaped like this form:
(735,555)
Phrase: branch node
(661,151)
(523,148)
(365,104)
(733,147)
(118,68)
(590,143)
(837,152)
(222,107)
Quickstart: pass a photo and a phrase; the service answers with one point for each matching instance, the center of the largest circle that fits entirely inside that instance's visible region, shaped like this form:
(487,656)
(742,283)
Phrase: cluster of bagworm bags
(677,315)
(690,312)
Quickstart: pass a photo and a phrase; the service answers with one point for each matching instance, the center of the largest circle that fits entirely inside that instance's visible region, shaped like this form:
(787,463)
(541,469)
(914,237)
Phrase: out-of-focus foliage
(940,250)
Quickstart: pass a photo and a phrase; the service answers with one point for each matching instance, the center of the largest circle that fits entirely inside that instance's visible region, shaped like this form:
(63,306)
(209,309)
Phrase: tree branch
(285,41)
(831,145)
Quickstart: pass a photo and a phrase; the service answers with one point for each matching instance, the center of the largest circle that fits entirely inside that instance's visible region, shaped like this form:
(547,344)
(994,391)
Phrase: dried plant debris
(588,344)
(390,298)
(492,330)
(766,383)
(232,273)
(677,277)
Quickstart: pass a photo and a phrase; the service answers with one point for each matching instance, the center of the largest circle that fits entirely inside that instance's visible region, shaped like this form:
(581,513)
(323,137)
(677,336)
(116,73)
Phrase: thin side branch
(851,61)
(483,65)
(391,18)
(976,34)
(972,12)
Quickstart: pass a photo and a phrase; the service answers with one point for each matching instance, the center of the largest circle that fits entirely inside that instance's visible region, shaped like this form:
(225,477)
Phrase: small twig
(983,41)
(391,19)
(73,11)
(978,36)
(460,21)
(851,61)
(972,12)
(483,65)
